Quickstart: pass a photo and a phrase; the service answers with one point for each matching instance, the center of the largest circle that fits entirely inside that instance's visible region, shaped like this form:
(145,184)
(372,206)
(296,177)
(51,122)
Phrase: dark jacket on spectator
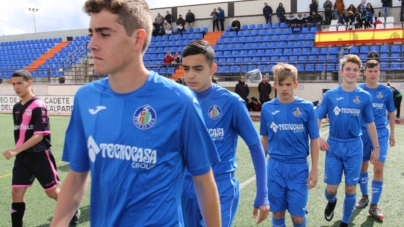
(264,89)
(290,20)
(280,11)
(242,90)
(327,6)
(267,11)
(386,3)
(254,107)
(236,23)
(343,19)
(313,7)
(221,15)
(168,18)
(351,19)
(190,18)
(215,16)
(371,10)
(353,9)
(315,19)
(181,21)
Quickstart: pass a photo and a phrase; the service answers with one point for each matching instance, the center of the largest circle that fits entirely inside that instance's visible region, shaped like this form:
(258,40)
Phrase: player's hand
(324,146)
(264,211)
(375,155)
(10,153)
(313,178)
(392,140)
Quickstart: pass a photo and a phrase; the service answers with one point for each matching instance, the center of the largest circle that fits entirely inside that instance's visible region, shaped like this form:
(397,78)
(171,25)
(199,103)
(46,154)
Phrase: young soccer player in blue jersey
(134,131)
(33,157)
(226,118)
(382,100)
(287,123)
(347,107)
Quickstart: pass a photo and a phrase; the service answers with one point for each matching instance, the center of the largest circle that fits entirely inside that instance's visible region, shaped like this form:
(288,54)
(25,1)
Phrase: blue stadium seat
(364,50)
(205,30)
(296,51)
(275,25)
(282,25)
(274,60)
(251,53)
(268,53)
(256,46)
(234,53)
(334,50)
(305,30)
(227,54)
(308,44)
(395,67)
(239,46)
(271,32)
(244,27)
(170,71)
(395,57)
(324,51)
(251,27)
(265,60)
(374,48)
(290,44)
(260,26)
(225,69)
(273,45)
(302,59)
(363,57)
(283,59)
(263,32)
(354,50)
(293,37)
(238,60)
(243,53)
(330,67)
(384,66)
(309,68)
(234,69)
(197,30)
(319,68)
(287,52)
(262,68)
(260,53)
(315,51)
(278,52)
(267,26)
(281,44)
(321,59)
(332,58)
(241,33)
(230,60)
(395,49)
(300,67)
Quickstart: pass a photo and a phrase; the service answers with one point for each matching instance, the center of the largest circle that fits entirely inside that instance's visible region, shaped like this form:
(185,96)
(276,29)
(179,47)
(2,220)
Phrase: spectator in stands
(167,28)
(235,25)
(161,30)
(398,97)
(242,90)
(386,8)
(313,7)
(221,18)
(373,56)
(315,20)
(368,20)
(343,19)
(264,89)
(176,59)
(190,19)
(370,9)
(306,20)
(168,59)
(280,12)
(267,11)
(351,8)
(358,17)
(327,11)
(290,21)
(254,105)
(215,19)
(155,29)
(180,24)
(181,80)
(215,79)
(168,18)
(339,7)
(299,22)
(350,21)
(159,19)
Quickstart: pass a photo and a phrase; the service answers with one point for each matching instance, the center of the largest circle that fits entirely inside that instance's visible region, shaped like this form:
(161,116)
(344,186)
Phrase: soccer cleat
(343,224)
(329,210)
(376,213)
(362,203)
(75,220)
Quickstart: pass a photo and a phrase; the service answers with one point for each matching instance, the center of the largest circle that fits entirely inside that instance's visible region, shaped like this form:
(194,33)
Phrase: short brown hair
(351,58)
(282,71)
(133,14)
(25,74)
(371,64)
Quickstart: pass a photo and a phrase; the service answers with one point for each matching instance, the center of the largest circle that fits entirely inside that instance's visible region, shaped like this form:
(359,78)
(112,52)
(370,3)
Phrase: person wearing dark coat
(267,11)
(242,90)
(280,12)
(180,24)
(168,18)
(221,18)
(264,89)
(313,7)
(190,19)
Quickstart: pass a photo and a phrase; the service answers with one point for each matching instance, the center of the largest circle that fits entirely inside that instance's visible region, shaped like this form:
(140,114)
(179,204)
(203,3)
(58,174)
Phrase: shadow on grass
(64,168)
(84,217)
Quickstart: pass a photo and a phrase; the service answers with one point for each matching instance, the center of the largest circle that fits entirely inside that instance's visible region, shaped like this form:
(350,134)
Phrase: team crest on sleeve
(28,112)
(145,117)
(214,112)
(379,95)
(297,112)
(357,100)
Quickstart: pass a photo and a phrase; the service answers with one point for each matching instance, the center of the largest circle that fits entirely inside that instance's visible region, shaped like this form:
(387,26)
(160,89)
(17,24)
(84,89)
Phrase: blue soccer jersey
(226,118)
(346,111)
(136,146)
(288,127)
(382,100)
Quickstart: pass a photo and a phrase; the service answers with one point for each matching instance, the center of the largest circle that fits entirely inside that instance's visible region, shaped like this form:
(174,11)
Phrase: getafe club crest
(379,95)
(145,117)
(214,112)
(356,99)
(297,112)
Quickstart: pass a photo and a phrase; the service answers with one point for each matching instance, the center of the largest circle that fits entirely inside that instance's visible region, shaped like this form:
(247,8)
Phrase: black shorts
(31,165)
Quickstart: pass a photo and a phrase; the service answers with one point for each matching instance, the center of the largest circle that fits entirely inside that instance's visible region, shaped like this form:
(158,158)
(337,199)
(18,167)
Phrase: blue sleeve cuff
(258,158)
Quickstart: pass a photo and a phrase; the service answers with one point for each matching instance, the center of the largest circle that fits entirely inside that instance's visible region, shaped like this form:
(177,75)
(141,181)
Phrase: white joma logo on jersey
(97,109)
(275,112)
(143,158)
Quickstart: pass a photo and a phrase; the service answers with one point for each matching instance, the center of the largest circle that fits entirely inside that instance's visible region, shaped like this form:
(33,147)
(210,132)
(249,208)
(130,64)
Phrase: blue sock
(377,187)
(303,224)
(330,198)
(278,222)
(349,205)
(363,183)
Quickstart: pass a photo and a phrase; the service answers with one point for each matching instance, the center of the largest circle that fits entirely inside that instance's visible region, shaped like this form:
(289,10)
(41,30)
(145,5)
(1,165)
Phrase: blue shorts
(287,187)
(343,157)
(383,135)
(229,193)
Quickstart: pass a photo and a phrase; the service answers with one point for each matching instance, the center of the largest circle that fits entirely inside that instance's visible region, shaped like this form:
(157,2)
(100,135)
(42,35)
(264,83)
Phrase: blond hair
(351,58)
(133,14)
(282,71)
